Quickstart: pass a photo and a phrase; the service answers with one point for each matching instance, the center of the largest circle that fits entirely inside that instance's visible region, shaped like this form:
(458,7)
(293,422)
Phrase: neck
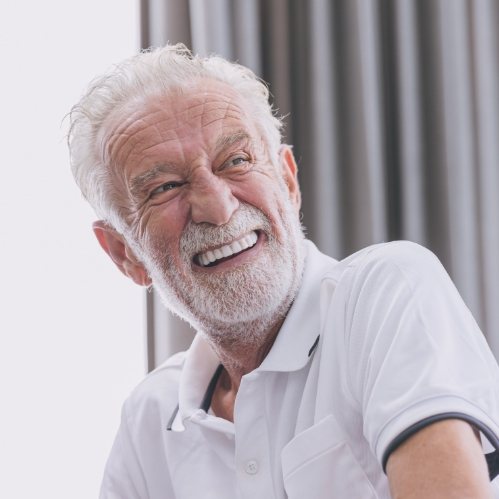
(241,357)
(241,348)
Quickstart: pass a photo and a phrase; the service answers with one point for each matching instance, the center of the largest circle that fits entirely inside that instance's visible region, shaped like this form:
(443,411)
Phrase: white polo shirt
(374,348)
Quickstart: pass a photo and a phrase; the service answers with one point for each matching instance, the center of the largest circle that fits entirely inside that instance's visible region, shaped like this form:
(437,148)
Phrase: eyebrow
(226,141)
(138,182)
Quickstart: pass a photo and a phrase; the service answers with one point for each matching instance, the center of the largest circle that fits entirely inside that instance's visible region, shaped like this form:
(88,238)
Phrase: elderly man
(308,377)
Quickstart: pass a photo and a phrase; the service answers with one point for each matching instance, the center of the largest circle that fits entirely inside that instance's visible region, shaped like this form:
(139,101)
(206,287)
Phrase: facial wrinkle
(122,130)
(137,184)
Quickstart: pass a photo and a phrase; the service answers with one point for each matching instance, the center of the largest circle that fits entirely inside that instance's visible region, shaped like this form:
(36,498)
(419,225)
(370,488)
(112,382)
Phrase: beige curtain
(393,109)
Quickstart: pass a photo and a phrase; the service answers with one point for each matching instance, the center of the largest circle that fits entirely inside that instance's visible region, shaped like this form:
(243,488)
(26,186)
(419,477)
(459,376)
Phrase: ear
(289,170)
(114,244)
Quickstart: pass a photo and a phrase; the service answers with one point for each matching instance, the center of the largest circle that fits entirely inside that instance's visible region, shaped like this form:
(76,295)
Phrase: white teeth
(236,247)
(249,240)
(229,249)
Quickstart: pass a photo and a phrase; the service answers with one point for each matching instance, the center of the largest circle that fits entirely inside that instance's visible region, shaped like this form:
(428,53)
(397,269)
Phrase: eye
(167,186)
(235,161)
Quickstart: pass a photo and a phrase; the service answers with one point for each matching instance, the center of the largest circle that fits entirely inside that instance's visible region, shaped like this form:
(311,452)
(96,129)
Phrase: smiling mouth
(213,257)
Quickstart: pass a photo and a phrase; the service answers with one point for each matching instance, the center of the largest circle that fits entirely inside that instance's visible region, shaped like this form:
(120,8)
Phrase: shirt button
(252,467)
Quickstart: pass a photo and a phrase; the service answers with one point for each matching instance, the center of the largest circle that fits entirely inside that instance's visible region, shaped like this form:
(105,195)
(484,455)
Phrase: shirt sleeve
(413,349)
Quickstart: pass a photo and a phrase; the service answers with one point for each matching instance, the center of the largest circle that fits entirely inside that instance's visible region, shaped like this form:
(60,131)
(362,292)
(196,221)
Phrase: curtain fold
(324,178)
(393,110)
(407,119)
(484,28)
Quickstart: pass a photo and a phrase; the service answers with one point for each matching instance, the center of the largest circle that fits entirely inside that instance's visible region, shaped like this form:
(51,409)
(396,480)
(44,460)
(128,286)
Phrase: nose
(212,201)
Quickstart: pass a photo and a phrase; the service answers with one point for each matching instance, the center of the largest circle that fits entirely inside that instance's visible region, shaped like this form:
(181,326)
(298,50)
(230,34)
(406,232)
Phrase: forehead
(183,120)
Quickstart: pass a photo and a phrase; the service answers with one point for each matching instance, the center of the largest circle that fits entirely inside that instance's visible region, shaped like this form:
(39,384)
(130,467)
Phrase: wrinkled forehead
(173,116)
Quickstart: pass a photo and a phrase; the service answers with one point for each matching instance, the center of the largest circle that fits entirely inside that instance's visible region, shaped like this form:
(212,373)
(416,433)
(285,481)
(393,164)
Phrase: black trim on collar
(491,458)
(172,419)
(493,463)
(205,404)
(314,346)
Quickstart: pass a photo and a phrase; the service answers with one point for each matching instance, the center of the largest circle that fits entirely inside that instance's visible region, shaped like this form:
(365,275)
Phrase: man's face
(214,221)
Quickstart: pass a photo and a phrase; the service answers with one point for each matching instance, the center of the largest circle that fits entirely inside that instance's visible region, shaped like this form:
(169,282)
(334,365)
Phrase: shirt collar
(291,350)
(200,365)
(300,330)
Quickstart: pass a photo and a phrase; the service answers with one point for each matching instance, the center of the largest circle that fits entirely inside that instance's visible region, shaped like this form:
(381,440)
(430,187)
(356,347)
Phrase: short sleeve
(413,348)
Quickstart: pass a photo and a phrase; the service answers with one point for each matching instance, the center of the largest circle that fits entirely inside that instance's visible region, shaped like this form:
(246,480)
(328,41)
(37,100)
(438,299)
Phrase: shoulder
(157,393)
(384,293)
(403,261)
(138,448)
(405,256)
(402,254)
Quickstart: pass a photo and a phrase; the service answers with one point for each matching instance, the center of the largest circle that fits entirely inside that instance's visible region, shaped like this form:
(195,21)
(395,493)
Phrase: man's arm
(443,460)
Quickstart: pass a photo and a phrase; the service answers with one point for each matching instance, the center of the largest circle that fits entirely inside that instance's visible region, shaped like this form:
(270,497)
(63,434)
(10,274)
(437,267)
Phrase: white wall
(71,327)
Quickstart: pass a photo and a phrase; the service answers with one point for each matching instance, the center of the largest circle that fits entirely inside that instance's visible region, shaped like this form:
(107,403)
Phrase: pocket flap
(319,463)
(310,443)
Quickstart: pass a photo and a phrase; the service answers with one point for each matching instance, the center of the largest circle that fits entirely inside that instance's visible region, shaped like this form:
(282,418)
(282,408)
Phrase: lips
(213,256)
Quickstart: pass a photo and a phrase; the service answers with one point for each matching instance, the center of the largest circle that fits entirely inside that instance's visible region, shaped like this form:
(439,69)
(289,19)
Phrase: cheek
(260,190)
(163,229)
(271,200)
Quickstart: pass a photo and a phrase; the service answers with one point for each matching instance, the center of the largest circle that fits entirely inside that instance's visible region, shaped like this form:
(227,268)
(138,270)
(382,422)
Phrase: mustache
(200,237)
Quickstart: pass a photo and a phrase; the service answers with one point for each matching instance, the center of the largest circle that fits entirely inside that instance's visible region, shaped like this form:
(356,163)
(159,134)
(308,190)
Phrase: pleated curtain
(392,107)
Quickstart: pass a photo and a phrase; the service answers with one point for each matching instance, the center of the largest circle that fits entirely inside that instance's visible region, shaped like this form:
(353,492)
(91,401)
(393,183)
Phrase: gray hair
(152,72)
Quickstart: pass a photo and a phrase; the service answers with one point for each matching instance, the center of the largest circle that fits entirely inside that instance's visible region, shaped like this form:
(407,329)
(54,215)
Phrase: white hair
(151,73)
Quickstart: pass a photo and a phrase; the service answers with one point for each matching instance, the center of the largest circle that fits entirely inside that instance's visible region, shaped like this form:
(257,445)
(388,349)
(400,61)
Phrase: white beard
(239,304)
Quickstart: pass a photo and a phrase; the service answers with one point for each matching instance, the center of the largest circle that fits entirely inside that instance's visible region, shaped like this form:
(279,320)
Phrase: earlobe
(289,170)
(114,244)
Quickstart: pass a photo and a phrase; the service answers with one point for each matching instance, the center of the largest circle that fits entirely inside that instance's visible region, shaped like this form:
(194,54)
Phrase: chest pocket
(318,464)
